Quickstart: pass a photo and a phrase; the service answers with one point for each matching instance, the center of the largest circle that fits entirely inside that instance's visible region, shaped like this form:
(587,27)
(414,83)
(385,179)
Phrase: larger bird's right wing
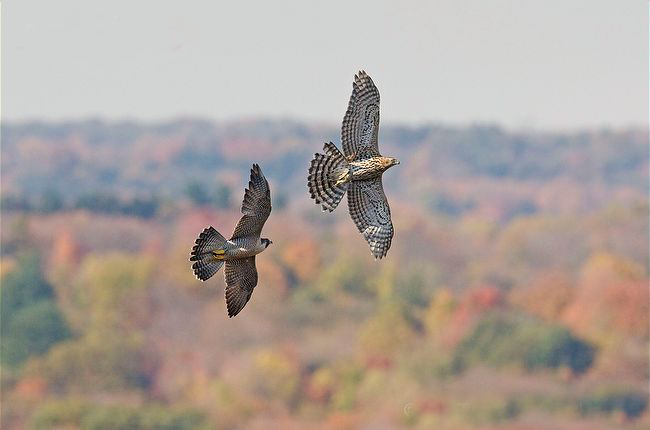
(370,212)
(361,122)
(256,206)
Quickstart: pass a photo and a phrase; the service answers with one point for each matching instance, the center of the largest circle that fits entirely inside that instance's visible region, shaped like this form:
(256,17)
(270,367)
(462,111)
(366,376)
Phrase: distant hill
(443,168)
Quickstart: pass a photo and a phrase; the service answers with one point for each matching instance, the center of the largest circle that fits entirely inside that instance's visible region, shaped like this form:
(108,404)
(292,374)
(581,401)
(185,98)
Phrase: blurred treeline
(515,295)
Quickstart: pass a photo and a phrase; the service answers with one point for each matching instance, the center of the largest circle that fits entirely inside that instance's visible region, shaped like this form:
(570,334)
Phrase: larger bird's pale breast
(367,169)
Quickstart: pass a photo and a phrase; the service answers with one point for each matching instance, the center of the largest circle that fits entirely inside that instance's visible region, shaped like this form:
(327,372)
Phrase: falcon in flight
(359,171)
(212,249)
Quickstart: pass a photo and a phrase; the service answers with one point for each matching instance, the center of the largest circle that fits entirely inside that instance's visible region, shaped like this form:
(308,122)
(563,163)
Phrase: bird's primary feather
(256,206)
(360,130)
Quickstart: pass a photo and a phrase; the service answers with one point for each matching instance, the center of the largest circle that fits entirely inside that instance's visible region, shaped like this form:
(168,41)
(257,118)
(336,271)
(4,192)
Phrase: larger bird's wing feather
(256,206)
(241,279)
(370,212)
(361,122)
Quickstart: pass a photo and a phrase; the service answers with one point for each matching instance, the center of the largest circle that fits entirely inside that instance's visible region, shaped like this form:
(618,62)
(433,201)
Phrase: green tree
(386,333)
(610,399)
(100,361)
(196,192)
(141,207)
(110,309)
(275,376)
(31,321)
(51,201)
(439,312)
(346,274)
(14,203)
(86,416)
(508,339)
(99,202)
(110,292)
(222,194)
(32,330)
(414,284)
(23,286)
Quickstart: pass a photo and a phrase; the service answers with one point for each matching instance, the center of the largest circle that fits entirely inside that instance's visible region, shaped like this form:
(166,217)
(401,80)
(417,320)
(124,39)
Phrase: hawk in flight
(359,171)
(212,249)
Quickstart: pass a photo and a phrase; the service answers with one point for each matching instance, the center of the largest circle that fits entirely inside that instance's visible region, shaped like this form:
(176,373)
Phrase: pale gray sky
(552,64)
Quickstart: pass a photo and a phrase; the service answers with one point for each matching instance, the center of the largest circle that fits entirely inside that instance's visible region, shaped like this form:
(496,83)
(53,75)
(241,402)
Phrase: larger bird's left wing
(361,122)
(241,279)
(370,212)
(256,206)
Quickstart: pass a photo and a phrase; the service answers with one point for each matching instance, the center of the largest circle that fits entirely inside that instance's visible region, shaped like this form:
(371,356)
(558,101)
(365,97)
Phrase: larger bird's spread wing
(370,212)
(241,279)
(361,121)
(256,206)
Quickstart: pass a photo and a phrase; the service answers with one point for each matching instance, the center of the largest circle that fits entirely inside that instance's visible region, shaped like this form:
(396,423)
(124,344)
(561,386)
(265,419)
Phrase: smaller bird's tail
(207,253)
(329,176)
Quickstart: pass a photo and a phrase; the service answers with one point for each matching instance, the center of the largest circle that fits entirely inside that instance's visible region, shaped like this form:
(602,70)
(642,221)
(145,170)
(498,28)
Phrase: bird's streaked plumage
(360,130)
(358,171)
(370,212)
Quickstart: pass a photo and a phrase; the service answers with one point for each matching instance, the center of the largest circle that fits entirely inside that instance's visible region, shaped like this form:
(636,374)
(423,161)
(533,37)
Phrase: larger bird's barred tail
(329,176)
(209,245)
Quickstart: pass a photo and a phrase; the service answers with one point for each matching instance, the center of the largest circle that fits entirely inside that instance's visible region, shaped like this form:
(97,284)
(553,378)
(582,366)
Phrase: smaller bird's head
(266,242)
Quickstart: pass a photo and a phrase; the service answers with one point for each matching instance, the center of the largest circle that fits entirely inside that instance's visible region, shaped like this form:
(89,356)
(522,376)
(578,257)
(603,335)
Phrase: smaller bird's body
(212,250)
(358,172)
(240,248)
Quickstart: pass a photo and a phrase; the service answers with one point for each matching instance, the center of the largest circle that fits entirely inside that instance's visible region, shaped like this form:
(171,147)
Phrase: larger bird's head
(266,242)
(390,162)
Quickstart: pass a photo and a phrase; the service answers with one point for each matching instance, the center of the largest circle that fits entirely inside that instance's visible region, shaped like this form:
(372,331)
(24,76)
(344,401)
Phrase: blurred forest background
(515,295)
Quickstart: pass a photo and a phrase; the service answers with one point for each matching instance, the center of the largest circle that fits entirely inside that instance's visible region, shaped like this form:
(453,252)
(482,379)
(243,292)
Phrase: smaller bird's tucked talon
(219,254)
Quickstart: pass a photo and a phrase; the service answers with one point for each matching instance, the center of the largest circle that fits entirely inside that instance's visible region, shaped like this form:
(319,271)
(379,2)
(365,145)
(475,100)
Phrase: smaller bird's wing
(361,122)
(370,212)
(241,279)
(256,206)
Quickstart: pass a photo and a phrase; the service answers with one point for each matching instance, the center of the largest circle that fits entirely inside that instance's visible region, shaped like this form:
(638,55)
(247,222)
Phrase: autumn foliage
(514,296)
